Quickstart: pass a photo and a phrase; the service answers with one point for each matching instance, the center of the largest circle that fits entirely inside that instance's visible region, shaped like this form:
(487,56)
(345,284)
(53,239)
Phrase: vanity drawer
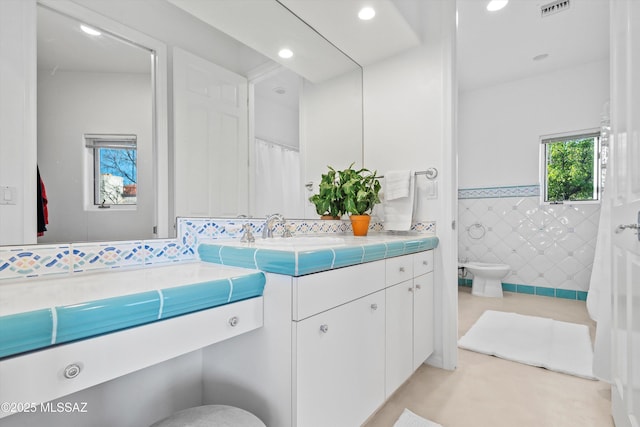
(319,292)
(398,269)
(422,263)
(44,375)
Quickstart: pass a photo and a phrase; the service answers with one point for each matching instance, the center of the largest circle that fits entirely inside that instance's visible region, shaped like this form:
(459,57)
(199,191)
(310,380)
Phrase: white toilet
(487,278)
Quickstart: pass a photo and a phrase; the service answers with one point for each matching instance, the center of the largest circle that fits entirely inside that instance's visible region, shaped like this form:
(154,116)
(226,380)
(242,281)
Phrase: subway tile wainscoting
(550,248)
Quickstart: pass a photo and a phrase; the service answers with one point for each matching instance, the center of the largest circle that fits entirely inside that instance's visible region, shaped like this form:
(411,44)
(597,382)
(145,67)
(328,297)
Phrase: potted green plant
(360,189)
(329,202)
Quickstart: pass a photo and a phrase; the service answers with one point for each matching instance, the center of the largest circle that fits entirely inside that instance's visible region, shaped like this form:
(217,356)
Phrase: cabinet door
(399,335)
(340,364)
(422,319)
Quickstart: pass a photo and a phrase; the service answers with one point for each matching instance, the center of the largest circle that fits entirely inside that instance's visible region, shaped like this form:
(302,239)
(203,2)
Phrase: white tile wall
(550,246)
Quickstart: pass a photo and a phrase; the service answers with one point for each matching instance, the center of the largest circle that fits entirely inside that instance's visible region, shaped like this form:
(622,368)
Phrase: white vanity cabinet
(340,363)
(409,319)
(334,345)
(338,343)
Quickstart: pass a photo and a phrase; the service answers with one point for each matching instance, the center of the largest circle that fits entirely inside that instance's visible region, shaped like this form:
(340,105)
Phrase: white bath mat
(558,346)
(409,419)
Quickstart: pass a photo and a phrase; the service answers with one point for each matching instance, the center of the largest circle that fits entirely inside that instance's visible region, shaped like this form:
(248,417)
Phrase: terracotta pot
(360,224)
(329,217)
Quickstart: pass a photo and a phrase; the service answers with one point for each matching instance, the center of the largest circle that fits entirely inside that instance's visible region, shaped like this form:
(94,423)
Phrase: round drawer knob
(324,328)
(410,289)
(234,321)
(401,269)
(374,306)
(425,262)
(72,371)
(418,287)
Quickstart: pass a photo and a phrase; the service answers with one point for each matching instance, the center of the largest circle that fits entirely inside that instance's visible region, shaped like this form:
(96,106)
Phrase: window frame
(93,144)
(545,140)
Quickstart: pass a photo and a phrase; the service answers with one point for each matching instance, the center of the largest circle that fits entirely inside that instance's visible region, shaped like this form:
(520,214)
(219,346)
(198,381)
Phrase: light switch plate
(8,195)
(432,190)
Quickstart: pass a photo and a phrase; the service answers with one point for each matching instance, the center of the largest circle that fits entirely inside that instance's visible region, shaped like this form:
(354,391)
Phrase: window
(570,168)
(115,169)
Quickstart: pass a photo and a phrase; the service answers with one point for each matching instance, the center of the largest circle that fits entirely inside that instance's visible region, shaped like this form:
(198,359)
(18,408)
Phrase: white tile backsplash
(546,245)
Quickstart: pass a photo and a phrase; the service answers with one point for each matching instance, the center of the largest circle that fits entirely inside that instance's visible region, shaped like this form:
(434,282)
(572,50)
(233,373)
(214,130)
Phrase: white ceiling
(267,27)
(492,47)
(281,87)
(63,46)
(496,47)
(366,42)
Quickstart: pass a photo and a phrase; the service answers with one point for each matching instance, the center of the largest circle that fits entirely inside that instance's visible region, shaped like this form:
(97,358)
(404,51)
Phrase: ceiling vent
(554,7)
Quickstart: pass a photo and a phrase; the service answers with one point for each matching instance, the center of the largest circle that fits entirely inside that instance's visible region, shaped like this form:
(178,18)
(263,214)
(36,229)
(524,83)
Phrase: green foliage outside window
(570,170)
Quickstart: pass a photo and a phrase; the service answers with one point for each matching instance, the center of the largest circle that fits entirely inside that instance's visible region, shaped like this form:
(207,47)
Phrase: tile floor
(486,391)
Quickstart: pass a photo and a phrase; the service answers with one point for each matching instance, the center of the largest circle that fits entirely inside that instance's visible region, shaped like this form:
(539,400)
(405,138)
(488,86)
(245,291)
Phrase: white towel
(409,419)
(398,212)
(396,184)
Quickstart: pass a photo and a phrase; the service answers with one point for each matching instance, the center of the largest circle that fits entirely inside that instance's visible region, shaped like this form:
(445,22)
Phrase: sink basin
(302,242)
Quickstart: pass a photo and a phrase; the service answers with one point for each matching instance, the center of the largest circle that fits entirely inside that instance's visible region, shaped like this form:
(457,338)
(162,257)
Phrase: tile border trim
(570,294)
(34,261)
(499,192)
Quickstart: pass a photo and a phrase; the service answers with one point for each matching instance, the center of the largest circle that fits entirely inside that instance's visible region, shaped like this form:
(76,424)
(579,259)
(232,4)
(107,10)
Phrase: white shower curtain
(277,180)
(599,296)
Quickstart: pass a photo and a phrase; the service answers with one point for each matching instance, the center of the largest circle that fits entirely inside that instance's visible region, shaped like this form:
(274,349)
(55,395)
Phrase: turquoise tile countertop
(306,254)
(40,313)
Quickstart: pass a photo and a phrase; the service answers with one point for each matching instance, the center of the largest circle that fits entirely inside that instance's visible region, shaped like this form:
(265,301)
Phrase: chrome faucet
(247,236)
(269,225)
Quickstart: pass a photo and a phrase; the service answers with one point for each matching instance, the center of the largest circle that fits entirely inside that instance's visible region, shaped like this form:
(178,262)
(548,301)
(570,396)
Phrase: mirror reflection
(94,132)
(276,128)
(254,163)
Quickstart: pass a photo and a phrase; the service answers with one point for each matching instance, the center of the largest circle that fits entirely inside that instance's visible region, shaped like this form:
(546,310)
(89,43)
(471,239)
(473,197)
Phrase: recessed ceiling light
(285,53)
(541,57)
(496,5)
(366,13)
(90,30)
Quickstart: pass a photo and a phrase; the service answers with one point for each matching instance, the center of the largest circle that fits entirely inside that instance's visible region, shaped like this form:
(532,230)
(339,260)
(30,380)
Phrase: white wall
(330,128)
(500,126)
(71,104)
(17,120)
(403,116)
(276,123)
(409,124)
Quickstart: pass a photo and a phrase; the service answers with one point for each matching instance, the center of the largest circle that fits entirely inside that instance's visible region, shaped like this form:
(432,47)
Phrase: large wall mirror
(97,94)
(95,131)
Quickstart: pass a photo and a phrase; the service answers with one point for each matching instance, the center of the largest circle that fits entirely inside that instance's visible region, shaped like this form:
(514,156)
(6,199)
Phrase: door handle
(621,227)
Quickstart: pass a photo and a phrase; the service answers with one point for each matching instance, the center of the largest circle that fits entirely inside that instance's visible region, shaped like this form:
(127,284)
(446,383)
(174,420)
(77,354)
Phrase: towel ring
(476,231)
